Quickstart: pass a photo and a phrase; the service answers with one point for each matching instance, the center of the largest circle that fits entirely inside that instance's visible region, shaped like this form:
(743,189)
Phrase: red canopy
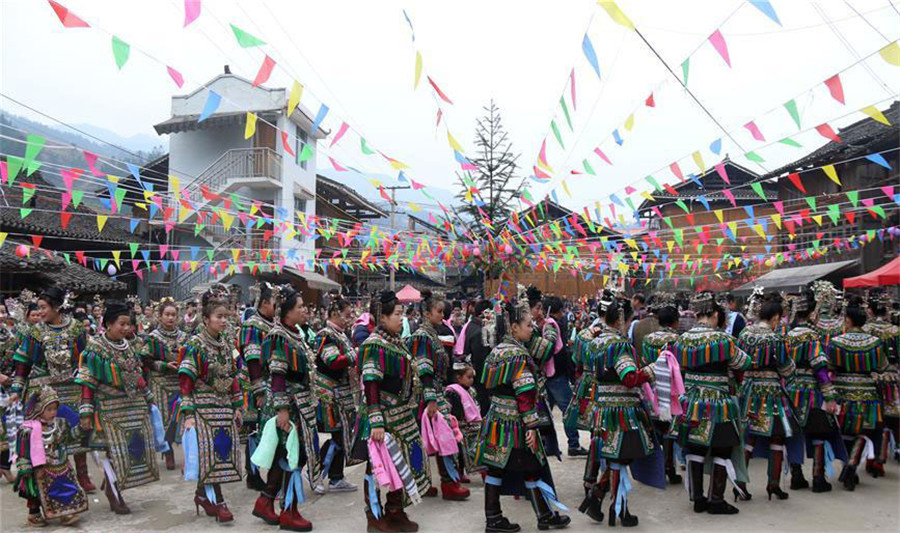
(409,294)
(889,274)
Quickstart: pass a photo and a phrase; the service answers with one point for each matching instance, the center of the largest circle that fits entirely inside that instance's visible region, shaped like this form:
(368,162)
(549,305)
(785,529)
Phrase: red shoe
(452,491)
(208,507)
(464,479)
(265,509)
(432,492)
(874,468)
(223,514)
(291,520)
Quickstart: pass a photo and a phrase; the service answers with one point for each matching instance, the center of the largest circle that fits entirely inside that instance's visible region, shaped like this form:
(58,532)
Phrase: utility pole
(394,190)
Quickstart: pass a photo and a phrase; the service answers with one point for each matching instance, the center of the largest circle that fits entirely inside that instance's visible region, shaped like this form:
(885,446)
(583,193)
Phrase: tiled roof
(45,219)
(56,271)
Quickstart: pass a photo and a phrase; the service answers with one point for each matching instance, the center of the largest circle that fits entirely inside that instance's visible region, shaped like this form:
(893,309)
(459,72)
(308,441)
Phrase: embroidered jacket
(50,353)
(207,366)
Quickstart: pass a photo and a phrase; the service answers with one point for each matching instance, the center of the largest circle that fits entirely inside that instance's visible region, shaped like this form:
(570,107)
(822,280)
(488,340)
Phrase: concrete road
(168,506)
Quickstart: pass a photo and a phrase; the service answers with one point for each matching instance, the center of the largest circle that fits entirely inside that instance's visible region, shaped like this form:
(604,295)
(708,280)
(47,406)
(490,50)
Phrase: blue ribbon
(159,431)
(191,455)
(450,465)
(329,457)
(252,443)
(374,504)
(294,492)
(624,487)
(829,458)
(491,480)
(547,492)
(210,494)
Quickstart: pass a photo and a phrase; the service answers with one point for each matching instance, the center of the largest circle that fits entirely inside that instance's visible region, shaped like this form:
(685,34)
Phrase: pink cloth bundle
(437,436)
(383,467)
(470,407)
(36,442)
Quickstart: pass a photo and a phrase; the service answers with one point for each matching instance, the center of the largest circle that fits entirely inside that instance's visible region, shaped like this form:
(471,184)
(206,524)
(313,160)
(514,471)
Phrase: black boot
(776,463)
(798,482)
(848,477)
(626,519)
(592,505)
(495,522)
(547,519)
(695,471)
(669,451)
(819,483)
(717,503)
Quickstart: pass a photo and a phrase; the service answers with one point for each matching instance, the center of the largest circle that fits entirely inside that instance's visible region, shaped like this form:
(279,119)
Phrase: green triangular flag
(877,209)
(103,263)
(245,39)
(365,149)
(834,213)
(76,198)
(562,102)
(35,145)
(679,236)
(668,220)
(133,246)
(757,188)
(588,168)
(24,211)
(119,196)
(305,154)
(685,67)
(556,133)
(790,142)
(121,50)
(66,255)
(791,107)
(209,254)
(682,205)
(13,166)
(811,200)
(27,194)
(753,156)
(652,181)
(853,196)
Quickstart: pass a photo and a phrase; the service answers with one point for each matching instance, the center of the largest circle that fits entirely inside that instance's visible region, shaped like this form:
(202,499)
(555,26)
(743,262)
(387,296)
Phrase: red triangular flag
(439,91)
(68,19)
(36,240)
(835,88)
(795,179)
(650,102)
(826,131)
(64,217)
(265,70)
(286,144)
(851,216)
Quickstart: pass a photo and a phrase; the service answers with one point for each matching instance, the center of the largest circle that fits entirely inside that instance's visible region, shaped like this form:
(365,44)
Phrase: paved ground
(167,506)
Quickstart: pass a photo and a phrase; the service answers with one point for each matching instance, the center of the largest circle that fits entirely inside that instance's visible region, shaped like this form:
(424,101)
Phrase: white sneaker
(320,488)
(342,486)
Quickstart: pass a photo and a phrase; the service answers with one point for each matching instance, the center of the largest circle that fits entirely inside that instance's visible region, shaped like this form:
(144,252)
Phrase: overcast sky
(358,58)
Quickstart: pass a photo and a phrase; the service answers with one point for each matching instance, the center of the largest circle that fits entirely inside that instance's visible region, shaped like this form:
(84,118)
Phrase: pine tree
(494,176)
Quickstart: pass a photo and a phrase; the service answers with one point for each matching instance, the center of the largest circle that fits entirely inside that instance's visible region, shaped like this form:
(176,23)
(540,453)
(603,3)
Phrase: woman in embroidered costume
(809,389)
(826,318)
(211,405)
(253,332)
(45,479)
(289,440)
(387,421)
(162,351)
(621,431)
(765,406)
(854,357)
(23,313)
(540,349)
(49,355)
(117,403)
(652,345)
(509,441)
(888,381)
(464,407)
(708,429)
(337,387)
(433,365)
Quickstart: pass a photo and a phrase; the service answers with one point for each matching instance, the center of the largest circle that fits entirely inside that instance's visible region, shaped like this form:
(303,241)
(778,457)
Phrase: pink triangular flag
(572,86)
(191,12)
(66,198)
(888,191)
(602,156)
(630,190)
(176,76)
(3,172)
(730,196)
(676,170)
(416,185)
(779,206)
(336,165)
(835,88)
(69,177)
(754,130)
(163,248)
(720,169)
(718,43)
(68,19)
(341,131)
(91,159)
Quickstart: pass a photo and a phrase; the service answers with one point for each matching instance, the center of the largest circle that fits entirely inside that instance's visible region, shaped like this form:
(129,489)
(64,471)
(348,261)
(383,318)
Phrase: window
(301,139)
(299,206)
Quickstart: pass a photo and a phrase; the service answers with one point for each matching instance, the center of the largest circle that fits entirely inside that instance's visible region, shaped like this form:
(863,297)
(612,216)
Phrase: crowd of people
(245,391)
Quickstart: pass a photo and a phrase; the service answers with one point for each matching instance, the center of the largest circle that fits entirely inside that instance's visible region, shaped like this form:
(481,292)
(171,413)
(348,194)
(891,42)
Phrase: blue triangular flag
(879,159)
(618,139)
(716,146)
(766,7)
(212,103)
(320,116)
(590,54)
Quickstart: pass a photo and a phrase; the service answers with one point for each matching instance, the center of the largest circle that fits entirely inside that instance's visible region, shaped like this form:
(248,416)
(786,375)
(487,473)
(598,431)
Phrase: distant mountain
(142,142)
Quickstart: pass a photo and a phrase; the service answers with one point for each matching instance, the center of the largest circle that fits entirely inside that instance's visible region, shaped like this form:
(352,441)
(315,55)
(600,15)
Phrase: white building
(214,154)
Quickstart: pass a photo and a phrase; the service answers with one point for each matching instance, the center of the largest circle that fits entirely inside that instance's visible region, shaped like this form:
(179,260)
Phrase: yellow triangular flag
(453,144)
(116,255)
(566,188)
(618,16)
(250,127)
(174,185)
(818,219)
(183,214)
(629,122)
(670,245)
(647,195)
(3,237)
(776,218)
(831,173)
(193,265)
(698,158)
(718,213)
(375,183)
(235,254)
(227,220)
(112,179)
(873,112)
(294,99)
(148,195)
(418,70)
(414,208)
(101,221)
(759,230)
(891,53)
